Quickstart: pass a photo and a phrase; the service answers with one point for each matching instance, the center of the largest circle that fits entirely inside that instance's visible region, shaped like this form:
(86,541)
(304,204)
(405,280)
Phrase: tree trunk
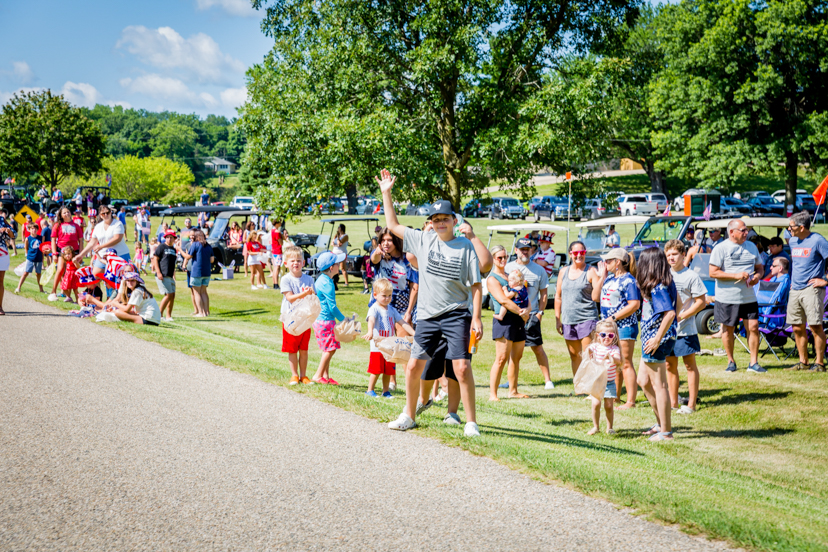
(791,165)
(656,177)
(351,192)
(455,180)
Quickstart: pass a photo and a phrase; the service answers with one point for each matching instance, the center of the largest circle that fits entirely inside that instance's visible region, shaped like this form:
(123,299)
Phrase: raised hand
(385,181)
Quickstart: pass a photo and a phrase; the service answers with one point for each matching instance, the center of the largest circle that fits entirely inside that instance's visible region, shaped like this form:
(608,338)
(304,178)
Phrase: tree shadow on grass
(555,439)
(689,433)
(746,397)
(232,314)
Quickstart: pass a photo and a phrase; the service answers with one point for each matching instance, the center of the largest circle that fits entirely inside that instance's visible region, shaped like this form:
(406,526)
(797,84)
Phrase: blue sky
(180,55)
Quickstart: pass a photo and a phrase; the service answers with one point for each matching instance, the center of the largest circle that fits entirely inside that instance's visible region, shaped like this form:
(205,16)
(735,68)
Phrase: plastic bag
(49,273)
(348,330)
(396,350)
(20,270)
(301,317)
(591,378)
(106,316)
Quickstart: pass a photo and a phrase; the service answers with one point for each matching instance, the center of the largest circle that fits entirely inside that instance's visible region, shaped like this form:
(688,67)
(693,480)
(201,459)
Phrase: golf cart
(354,260)
(595,237)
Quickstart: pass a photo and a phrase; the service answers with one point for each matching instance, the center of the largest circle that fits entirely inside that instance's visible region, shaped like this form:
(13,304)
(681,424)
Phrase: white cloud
(23,72)
(125,105)
(242,8)
(6,96)
(233,97)
(81,94)
(172,90)
(195,58)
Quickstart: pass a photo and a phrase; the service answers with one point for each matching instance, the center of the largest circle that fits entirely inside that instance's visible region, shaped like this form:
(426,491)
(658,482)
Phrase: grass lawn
(748,467)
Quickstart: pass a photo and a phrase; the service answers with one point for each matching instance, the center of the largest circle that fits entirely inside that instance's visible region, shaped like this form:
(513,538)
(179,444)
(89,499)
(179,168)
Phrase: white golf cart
(593,233)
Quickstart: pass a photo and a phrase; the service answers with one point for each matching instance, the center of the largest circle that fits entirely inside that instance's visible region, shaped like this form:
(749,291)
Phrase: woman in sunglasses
(575,311)
(109,233)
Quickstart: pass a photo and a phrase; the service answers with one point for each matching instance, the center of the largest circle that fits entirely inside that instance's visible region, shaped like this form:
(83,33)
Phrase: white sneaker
(254,288)
(686,410)
(403,423)
(549,385)
(451,419)
(392,386)
(52,297)
(262,286)
(471,430)
(440,396)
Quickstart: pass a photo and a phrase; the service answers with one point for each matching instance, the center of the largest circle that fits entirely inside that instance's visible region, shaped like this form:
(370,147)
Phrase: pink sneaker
(332,381)
(321,381)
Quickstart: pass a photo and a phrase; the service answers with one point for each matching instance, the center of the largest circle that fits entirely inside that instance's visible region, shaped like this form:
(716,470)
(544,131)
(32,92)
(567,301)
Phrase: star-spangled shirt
(662,299)
(616,294)
(383,322)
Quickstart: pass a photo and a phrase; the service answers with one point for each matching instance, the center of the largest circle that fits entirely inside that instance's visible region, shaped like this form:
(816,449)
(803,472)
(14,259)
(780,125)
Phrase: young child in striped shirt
(604,349)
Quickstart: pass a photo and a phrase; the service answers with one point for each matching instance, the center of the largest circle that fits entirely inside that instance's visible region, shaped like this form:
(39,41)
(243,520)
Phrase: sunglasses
(742,230)
(578,253)
(105,212)
(501,258)
(610,335)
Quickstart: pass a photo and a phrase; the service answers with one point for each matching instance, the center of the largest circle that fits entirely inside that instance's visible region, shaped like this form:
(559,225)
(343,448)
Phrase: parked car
(506,207)
(637,205)
(779,195)
(370,207)
(417,210)
(594,209)
(242,202)
(555,208)
(534,202)
(766,205)
(733,205)
(660,200)
(747,196)
(472,208)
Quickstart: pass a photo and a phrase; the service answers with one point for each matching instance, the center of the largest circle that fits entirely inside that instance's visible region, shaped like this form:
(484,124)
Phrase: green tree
(444,80)
(148,178)
(744,89)
(174,140)
(42,133)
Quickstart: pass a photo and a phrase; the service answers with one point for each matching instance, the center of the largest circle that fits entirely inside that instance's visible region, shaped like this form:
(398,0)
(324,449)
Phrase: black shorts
(438,366)
(511,328)
(149,322)
(728,314)
(533,332)
(454,327)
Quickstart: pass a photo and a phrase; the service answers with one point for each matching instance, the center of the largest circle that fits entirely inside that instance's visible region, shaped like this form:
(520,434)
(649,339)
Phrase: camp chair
(773,331)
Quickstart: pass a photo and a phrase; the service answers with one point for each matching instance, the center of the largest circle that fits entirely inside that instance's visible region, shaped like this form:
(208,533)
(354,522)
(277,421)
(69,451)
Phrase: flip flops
(661,436)
(652,431)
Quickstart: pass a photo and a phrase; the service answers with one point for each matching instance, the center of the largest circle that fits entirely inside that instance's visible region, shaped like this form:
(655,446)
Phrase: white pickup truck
(636,205)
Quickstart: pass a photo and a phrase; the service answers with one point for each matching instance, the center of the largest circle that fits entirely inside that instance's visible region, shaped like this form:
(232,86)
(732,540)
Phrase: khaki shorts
(806,305)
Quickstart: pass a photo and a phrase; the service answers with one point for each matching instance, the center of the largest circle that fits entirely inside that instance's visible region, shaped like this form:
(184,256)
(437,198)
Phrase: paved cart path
(163,451)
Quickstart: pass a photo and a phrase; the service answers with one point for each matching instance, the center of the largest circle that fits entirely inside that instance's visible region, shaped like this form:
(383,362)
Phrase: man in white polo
(736,266)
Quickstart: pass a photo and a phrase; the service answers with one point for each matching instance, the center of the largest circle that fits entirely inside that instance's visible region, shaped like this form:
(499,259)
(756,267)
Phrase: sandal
(661,436)
(652,431)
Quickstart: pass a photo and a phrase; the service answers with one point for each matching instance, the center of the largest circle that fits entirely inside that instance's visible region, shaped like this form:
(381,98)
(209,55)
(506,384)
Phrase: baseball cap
(441,207)
(169,233)
(327,259)
(616,253)
(524,243)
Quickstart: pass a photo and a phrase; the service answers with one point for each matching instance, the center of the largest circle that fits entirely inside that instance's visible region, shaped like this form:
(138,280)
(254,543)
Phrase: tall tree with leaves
(42,133)
(745,89)
(450,74)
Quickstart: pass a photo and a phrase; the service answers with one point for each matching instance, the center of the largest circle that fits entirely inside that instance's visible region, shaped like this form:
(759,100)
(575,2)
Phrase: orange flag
(819,193)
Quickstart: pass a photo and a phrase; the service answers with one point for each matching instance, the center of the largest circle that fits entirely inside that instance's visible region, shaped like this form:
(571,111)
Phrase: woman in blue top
(392,264)
(202,255)
(658,335)
(620,300)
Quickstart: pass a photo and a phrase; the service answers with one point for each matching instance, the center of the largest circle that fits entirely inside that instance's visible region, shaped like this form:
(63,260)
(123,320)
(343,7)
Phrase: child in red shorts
(382,318)
(295,286)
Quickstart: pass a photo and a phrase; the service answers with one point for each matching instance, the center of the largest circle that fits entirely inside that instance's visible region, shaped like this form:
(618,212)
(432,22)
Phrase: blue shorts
(629,333)
(198,282)
(32,266)
(686,345)
(659,355)
(610,392)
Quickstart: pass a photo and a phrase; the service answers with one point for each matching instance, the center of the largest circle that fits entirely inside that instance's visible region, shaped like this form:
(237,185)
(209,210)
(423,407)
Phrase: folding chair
(772,298)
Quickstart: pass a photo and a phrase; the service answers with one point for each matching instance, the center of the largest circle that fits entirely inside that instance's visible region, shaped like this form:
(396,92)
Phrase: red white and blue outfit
(384,320)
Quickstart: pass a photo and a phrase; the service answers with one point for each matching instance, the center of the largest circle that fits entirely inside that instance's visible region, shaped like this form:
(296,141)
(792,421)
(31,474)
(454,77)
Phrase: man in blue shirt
(205,197)
(775,250)
(806,303)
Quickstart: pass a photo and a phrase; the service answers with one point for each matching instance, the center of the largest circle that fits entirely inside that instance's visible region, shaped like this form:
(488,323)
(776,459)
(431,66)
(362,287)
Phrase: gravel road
(160,451)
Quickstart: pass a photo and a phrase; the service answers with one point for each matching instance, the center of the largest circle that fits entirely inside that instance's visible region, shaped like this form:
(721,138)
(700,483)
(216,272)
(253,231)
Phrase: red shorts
(295,343)
(378,365)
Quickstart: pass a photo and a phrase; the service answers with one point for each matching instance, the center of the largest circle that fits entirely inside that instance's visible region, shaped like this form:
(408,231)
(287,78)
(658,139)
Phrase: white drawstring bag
(395,349)
(591,378)
(348,330)
(302,315)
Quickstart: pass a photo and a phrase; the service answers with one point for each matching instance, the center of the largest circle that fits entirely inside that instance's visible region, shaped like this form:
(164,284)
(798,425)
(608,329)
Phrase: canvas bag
(591,378)
(301,317)
(348,330)
(396,350)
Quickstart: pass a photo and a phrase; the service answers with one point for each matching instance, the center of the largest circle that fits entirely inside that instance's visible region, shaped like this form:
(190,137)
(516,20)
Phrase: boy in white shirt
(382,321)
(295,286)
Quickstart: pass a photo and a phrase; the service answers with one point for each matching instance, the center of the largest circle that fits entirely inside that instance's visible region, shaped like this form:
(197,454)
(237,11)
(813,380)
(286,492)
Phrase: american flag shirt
(383,322)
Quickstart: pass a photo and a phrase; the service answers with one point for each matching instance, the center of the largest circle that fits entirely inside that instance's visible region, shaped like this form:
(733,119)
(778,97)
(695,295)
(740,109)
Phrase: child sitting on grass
(295,285)
(516,291)
(382,319)
(604,349)
(328,265)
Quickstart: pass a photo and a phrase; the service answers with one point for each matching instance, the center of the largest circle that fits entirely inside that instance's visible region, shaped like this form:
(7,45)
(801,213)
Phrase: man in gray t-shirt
(736,266)
(537,283)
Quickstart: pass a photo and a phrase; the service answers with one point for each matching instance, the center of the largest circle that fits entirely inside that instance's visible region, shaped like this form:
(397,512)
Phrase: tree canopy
(429,90)
(42,133)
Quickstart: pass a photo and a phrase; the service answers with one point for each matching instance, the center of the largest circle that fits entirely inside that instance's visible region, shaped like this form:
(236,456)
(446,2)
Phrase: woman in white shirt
(109,233)
(340,245)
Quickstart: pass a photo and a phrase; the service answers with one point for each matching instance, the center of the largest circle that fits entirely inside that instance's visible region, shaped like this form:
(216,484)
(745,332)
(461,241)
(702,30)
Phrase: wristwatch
(613,318)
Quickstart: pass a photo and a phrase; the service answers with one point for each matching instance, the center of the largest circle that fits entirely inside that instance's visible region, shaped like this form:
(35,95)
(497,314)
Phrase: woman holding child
(509,332)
